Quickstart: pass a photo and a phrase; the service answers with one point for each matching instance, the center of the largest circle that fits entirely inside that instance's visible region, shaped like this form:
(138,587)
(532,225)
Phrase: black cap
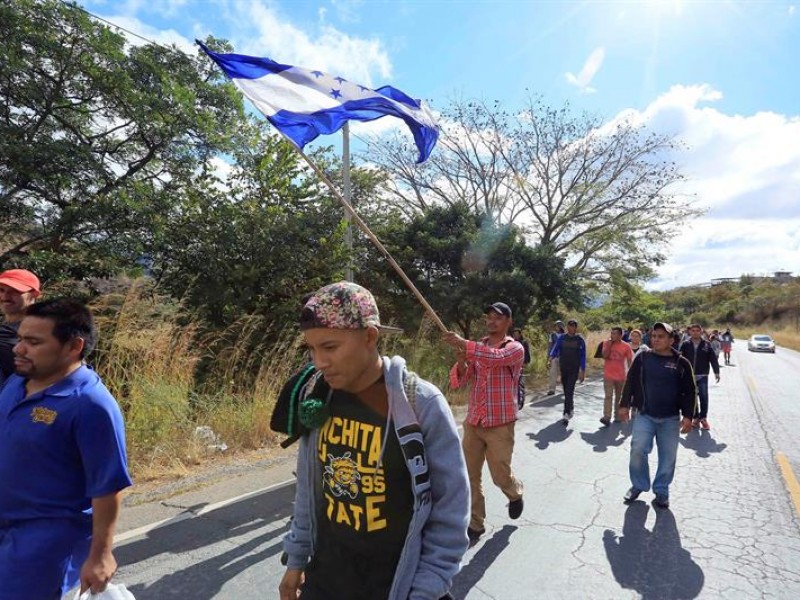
(501,308)
(665,326)
(572,322)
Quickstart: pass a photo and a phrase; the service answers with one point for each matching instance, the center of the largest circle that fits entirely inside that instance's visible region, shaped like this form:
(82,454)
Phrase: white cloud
(590,68)
(792,10)
(746,170)
(261,30)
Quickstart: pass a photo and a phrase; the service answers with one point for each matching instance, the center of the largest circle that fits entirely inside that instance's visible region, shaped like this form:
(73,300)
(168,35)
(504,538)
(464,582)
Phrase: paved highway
(732,532)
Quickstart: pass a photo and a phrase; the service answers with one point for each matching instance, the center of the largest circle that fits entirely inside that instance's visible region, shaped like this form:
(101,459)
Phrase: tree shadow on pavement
(702,443)
(613,435)
(552,434)
(210,568)
(652,562)
(473,572)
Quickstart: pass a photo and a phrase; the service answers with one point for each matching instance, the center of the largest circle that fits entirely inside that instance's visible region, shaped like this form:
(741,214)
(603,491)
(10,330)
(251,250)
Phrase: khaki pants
(553,375)
(611,388)
(495,446)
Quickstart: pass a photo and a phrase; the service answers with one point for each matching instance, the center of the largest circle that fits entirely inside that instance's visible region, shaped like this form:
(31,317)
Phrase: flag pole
(347,193)
(348,208)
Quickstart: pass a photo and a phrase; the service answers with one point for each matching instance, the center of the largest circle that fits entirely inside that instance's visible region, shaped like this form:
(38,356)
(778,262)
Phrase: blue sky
(722,76)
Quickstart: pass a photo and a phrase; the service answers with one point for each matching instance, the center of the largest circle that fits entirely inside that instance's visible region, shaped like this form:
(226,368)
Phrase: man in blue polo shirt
(62,460)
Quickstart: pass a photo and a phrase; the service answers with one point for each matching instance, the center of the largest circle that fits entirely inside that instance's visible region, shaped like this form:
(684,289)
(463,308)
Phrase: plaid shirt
(494,372)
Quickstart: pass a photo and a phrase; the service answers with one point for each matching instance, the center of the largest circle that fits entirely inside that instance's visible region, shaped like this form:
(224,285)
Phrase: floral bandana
(342,305)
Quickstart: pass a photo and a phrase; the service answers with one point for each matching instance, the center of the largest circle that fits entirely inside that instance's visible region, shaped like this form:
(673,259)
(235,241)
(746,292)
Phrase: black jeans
(568,380)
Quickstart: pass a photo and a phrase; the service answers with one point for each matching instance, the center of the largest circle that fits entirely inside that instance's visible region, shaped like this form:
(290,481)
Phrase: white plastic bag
(112,592)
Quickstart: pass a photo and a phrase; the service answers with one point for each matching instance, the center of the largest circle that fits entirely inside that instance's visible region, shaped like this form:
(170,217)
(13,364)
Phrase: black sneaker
(565,418)
(661,501)
(474,535)
(605,421)
(631,495)
(515,508)
(550,392)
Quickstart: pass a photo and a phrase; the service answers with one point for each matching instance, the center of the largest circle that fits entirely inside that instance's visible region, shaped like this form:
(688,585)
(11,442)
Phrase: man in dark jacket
(660,384)
(701,354)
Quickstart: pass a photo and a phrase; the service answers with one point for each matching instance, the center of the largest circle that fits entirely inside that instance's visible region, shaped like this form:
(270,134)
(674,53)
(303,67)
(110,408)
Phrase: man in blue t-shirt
(660,384)
(62,460)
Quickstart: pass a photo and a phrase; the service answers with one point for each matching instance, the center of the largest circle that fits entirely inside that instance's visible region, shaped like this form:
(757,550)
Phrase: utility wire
(128,31)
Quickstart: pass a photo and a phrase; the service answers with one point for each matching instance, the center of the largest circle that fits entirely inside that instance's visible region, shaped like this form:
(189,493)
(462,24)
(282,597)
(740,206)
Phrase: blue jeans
(666,433)
(702,392)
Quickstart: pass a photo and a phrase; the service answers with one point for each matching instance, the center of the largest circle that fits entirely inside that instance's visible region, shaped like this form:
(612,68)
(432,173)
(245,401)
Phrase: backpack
(303,403)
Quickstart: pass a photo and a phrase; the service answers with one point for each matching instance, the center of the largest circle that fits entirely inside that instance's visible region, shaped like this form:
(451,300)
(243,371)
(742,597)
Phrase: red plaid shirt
(494,373)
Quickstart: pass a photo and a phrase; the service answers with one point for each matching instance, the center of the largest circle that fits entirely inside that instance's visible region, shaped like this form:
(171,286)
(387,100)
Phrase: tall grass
(171,376)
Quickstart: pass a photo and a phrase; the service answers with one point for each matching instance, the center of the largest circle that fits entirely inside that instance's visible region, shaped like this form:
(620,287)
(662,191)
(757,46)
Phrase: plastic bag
(112,592)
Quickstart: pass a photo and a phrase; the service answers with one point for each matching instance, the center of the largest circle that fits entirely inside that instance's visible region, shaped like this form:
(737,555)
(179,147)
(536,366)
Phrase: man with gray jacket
(382,502)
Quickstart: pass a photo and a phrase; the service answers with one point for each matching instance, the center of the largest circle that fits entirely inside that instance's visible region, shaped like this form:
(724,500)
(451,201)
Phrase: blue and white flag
(304,104)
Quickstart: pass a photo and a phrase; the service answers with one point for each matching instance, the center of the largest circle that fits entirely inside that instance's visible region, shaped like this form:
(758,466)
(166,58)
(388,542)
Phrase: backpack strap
(410,387)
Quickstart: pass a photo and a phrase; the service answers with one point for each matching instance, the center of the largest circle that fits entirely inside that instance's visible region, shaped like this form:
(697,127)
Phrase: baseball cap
(500,308)
(342,305)
(665,326)
(559,322)
(572,322)
(21,280)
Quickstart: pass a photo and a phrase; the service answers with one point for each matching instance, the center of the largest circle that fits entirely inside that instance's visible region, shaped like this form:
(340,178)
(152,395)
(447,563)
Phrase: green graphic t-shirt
(367,509)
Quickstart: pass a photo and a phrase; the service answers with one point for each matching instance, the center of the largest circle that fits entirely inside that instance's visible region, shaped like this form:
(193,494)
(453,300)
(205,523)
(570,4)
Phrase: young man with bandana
(382,500)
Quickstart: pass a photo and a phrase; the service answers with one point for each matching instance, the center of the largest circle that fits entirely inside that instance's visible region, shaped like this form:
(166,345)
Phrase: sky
(721,76)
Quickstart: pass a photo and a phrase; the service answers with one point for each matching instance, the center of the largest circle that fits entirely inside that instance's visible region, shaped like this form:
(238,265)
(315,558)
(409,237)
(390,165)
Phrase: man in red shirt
(617,357)
(493,366)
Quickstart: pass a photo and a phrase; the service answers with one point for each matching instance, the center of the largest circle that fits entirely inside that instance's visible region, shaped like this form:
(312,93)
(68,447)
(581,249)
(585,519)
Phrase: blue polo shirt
(59,448)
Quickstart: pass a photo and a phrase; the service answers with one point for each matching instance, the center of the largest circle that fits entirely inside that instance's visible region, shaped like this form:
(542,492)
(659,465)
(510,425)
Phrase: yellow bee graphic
(342,476)
(40,414)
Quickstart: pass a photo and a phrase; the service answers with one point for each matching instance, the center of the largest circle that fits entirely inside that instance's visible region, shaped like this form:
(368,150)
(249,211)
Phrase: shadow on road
(552,434)
(472,573)
(702,443)
(652,562)
(203,579)
(613,435)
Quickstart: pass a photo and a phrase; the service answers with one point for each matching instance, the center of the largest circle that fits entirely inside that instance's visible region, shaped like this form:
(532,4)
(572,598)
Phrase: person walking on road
(726,340)
(382,501)
(636,342)
(62,460)
(700,354)
(492,366)
(617,356)
(660,385)
(552,363)
(570,353)
(18,290)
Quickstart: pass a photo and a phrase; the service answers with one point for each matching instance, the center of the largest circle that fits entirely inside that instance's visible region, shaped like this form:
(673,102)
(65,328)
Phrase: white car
(761,343)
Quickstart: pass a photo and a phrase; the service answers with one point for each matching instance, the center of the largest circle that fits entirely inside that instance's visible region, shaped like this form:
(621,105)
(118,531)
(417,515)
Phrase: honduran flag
(304,104)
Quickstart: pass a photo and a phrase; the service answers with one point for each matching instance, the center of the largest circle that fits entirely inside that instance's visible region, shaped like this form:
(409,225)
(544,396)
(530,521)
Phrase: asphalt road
(732,532)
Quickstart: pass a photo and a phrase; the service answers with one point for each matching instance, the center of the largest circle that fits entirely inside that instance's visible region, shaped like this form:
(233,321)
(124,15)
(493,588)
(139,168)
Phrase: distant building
(783,276)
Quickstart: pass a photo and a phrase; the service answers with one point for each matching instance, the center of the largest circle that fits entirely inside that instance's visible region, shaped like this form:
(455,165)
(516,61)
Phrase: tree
(602,196)
(462,262)
(257,246)
(98,139)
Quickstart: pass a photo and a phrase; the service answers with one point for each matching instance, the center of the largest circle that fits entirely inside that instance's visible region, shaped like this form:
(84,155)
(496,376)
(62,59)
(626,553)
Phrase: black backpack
(303,403)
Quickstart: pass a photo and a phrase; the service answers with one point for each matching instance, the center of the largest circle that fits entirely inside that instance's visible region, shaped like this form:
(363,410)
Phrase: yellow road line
(791,481)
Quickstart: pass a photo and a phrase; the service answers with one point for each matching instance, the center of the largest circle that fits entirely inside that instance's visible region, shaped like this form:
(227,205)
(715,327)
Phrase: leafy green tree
(462,262)
(257,245)
(98,138)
